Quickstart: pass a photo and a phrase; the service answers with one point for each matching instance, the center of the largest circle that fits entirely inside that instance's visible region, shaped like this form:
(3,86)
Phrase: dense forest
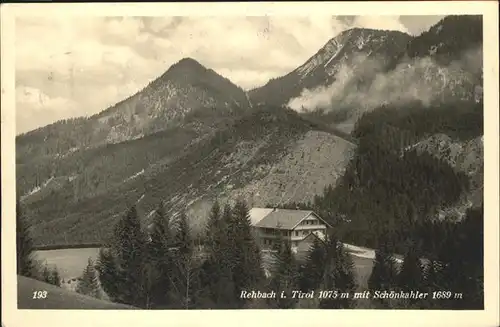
(26,263)
(164,267)
(388,186)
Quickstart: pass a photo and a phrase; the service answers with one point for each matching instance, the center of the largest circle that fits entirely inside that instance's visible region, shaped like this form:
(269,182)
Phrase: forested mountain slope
(400,175)
(252,149)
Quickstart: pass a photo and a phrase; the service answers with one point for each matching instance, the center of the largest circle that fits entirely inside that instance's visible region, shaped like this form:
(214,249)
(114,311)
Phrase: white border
(12,317)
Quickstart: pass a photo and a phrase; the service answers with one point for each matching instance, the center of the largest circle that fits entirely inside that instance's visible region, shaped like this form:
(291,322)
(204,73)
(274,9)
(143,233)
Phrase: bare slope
(317,160)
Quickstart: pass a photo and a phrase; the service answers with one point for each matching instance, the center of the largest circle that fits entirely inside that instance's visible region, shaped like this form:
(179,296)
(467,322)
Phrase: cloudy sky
(67,67)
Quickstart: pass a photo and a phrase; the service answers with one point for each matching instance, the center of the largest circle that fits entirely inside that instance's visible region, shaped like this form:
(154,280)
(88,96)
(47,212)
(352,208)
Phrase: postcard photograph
(191,162)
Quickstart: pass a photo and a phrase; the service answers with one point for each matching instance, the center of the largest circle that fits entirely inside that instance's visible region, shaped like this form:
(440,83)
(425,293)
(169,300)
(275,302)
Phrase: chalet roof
(256,214)
(317,234)
(277,218)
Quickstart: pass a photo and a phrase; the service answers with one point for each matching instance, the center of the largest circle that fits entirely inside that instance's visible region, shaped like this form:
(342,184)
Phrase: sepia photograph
(231,162)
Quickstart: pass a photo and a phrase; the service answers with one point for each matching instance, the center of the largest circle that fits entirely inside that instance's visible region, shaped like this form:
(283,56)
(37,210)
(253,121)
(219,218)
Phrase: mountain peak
(188,61)
(186,66)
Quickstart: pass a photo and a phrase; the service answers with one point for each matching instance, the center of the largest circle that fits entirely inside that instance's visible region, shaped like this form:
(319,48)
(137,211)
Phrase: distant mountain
(362,69)
(187,96)
(339,56)
(185,87)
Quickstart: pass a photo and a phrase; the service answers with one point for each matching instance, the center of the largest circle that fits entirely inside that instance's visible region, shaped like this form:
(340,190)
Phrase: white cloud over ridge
(91,63)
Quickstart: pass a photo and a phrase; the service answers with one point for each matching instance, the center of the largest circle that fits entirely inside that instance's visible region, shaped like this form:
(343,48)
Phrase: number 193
(39,294)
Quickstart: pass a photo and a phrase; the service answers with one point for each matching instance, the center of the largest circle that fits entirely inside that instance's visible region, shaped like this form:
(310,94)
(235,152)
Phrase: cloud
(93,62)
(421,79)
(35,108)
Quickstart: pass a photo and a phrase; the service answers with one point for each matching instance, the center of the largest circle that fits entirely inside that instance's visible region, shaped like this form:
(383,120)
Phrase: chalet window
(296,233)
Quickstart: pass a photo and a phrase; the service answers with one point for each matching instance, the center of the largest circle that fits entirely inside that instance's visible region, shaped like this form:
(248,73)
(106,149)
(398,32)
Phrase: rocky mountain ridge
(185,88)
(349,49)
(361,69)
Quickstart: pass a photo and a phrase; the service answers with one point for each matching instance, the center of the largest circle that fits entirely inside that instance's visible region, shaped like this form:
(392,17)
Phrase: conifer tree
(432,280)
(213,224)
(284,278)
(124,264)
(160,266)
(50,275)
(55,277)
(45,274)
(110,277)
(26,265)
(247,271)
(183,235)
(338,276)
(410,276)
(185,273)
(88,284)
(313,270)
(384,272)
(345,279)
(218,268)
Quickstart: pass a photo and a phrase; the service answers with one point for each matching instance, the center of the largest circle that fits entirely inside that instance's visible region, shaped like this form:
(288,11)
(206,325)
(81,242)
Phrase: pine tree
(284,278)
(183,236)
(159,270)
(247,271)
(50,275)
(213,224)
(338,276)
(432,280)
(124,264)
(24,245)
(345,279)
(55,278)
(110,277)
(185,273)
(45,274)
(217,271)
(410,276)
(88,284)
(313,270)
(384,272)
